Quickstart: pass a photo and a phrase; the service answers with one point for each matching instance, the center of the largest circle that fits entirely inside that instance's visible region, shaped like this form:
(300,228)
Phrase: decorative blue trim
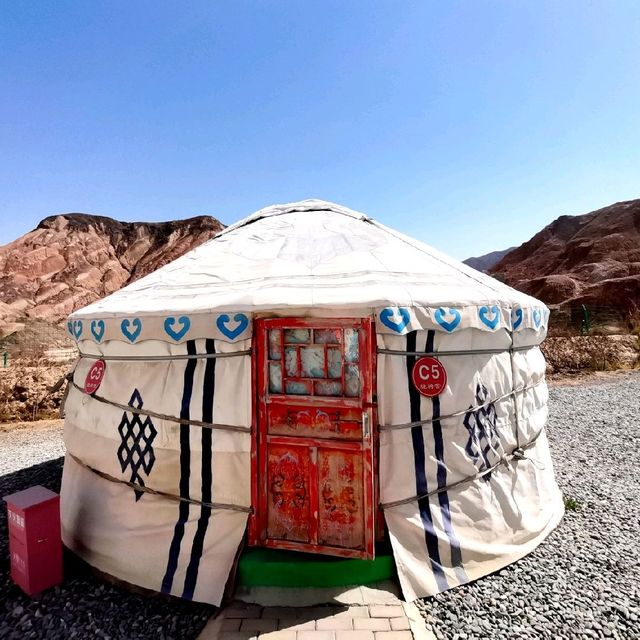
(131,335)
(180,333)
(232,334)
(387,315)
(516,317)
(537,317)
(77,329)
(483,314)
(97,329)
(447,325)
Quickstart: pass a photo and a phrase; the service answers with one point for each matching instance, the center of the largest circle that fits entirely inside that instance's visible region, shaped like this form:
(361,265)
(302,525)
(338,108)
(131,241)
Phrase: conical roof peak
(310,254)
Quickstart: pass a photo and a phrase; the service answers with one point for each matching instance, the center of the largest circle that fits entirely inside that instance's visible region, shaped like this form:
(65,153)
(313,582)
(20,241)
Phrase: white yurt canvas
(162,475)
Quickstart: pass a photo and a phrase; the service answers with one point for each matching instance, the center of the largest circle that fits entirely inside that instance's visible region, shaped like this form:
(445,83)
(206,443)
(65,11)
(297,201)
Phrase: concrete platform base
(355,613)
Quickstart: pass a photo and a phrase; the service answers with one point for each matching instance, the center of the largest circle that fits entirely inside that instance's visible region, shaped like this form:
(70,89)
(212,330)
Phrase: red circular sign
(94,377)
(429,376)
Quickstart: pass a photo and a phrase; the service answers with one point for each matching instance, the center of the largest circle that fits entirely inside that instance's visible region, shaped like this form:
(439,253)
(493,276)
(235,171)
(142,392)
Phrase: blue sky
(469,125)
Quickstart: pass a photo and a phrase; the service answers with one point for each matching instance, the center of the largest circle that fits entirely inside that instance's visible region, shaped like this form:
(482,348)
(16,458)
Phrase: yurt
(309,380)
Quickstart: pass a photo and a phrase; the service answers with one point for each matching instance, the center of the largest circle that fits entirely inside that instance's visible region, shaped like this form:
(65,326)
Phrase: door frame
(257,528)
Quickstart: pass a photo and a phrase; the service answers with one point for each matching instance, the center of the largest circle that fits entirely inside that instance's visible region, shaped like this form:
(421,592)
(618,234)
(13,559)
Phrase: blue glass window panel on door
(296,336)
(328,388)
(334,363)
(312,362)
(275,344)
(298,387)
(352,381)
(326,336)
(275,377)
(291,361)
(351,346)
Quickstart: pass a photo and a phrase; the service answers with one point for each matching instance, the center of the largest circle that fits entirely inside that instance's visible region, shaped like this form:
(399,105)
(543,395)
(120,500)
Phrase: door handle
(366,425)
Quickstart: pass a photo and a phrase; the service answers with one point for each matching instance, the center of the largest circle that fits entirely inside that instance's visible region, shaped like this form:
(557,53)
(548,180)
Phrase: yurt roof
(301,255)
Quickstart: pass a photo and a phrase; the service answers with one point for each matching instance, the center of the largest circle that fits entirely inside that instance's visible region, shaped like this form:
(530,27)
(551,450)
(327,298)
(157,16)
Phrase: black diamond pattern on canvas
(484,446)
(136,451)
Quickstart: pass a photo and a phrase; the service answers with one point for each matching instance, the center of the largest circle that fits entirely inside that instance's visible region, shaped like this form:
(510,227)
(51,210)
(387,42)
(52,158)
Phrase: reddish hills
(592,259)
(73,259)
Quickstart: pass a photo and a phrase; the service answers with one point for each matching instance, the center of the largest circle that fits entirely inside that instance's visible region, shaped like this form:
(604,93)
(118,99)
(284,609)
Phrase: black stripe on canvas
(441,476)
(208,393)
(417,438)
(185,465)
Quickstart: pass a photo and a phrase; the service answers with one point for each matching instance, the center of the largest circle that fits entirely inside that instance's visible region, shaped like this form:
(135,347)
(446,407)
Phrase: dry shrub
(590,353)
(24,389)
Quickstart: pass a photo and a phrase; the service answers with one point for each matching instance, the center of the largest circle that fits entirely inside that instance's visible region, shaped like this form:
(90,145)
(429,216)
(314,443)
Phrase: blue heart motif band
(537,317)
(516,318)
(489,316)
(447,324)
(97,329)
(180,333)
(232,326)
(223,320)
(387,318)
(77,329)
(127,333)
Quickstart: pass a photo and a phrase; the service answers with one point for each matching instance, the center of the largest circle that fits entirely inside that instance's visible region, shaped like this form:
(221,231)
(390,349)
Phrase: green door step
(275,568)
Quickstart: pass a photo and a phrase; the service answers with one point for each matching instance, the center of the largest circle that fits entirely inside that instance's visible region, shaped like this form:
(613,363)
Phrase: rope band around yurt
(241,429)
(456,414)
(458,352)
(160,416)
(516,454)
(170,496)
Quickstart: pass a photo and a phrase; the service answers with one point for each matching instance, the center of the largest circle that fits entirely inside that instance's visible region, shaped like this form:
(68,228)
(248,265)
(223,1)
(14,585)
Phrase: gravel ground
(29,443)
(83,607)
(584,581)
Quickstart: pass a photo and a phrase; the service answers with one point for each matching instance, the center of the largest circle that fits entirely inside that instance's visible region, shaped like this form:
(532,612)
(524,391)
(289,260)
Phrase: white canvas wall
(183,549)
(187,550)
(475,528)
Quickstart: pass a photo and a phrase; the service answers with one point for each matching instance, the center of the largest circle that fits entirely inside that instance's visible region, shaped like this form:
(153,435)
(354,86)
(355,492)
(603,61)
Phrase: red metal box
(35,545)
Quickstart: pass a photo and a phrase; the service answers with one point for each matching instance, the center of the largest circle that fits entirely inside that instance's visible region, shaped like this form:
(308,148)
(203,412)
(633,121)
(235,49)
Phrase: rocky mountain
(73,259)
(488,260)
(591,259)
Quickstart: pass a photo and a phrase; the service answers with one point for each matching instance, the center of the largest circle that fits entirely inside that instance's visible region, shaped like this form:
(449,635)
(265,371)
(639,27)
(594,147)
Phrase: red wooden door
(313,451)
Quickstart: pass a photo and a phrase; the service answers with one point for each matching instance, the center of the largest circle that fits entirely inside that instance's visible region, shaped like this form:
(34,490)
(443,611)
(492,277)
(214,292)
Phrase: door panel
(288,493)
(313,448)
(341,513)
